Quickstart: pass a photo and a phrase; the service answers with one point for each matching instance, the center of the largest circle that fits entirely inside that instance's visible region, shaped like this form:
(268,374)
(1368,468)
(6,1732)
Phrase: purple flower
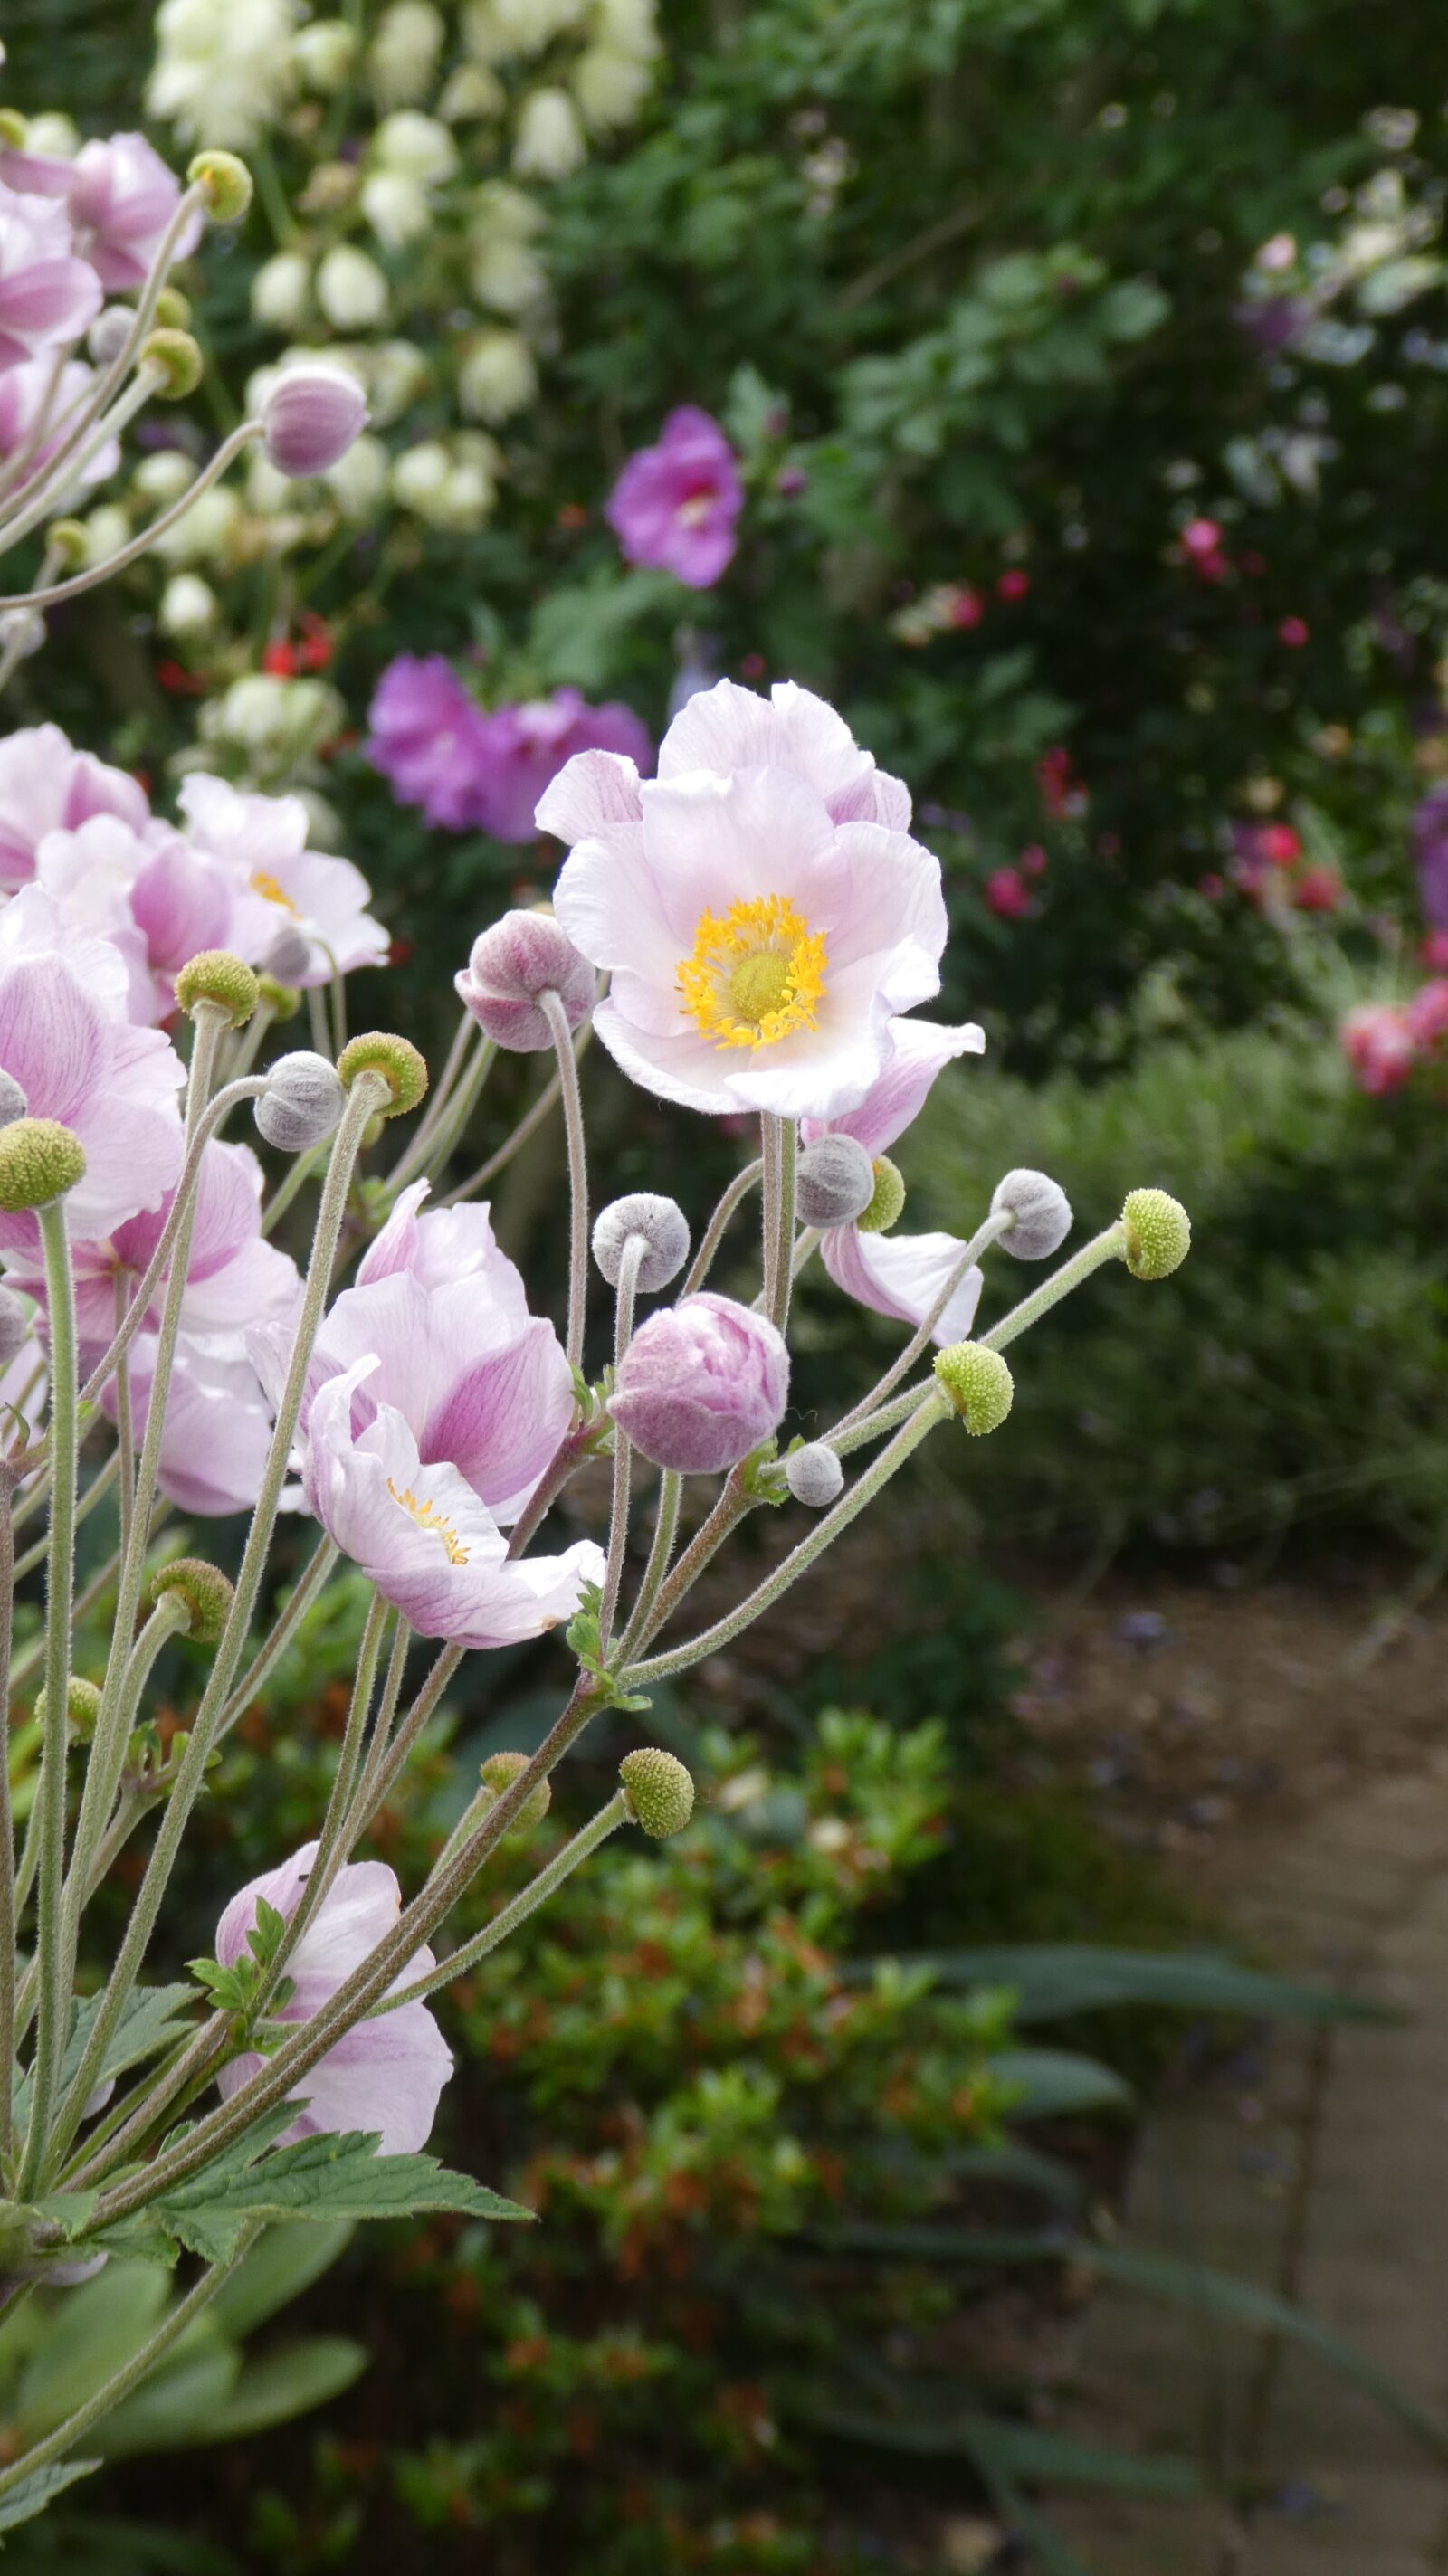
(386,2074)
(901,1275)
(426,738)
(441,1316)
(420,1533)
(1429,830)
(121,197)
(523,748)
(46,785)
(520,957)
(701,1384)
(675,505)
(47,295)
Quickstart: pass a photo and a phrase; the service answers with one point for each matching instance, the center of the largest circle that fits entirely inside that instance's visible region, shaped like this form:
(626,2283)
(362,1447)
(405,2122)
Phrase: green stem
(56,593)
(666,1524)
(330,1850)
(517,1911)
(50,1945)
(7,1832)
(557,1018)
(108,1749)
(734,1197)
(983,1237)
(625,1294)
(778,1140)
(1102,1248)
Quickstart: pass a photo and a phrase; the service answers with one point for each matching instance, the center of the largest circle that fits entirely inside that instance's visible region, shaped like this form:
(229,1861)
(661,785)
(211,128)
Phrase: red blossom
(1007,894)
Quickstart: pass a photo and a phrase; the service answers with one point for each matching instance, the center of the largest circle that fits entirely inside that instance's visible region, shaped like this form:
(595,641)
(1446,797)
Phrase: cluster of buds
(1270,866)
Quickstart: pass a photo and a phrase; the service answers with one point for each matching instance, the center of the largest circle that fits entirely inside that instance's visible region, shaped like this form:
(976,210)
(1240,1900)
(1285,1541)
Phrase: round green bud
(68,542)
(13,128)
(889,1198)
(1158,1234)
(402,1068)
(173,309)
(205,1590)
(39,1161)
(283,1001)
(82,1700)
(216,976)
(499,1772)
(658,1791)
(179,361)
(225,185)
(978,1383)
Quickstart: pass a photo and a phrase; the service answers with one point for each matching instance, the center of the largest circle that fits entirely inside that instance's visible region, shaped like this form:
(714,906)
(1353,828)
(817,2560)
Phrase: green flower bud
(1158,1234)
(12,128)
(205,1590)
(179,360)
(216,976)
(397,1060)
(173,309)
(282,1000)
(82,1699)
(68,542)
(978,1383)
(884,1208)
(225,185)
(39,1161)
(499,1772)
(658,1791)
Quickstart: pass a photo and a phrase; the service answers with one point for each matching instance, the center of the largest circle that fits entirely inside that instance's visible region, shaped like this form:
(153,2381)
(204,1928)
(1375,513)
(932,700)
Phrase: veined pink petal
(591,791)
(920,1050)
(901,1275)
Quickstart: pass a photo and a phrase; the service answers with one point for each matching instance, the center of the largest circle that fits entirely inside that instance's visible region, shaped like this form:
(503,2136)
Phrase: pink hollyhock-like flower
(66,1038)
(385,2075)
(46,785)
(159,899)
(902,1274)
(47,296)
(427,738)
(482,1385)
(1379,1046)
(120,197)
(675,505)
(760,906)
(34,390)
(217,1431)
(524,747)
(286,886)
(1007,894)
(701,1384)
(420,1533)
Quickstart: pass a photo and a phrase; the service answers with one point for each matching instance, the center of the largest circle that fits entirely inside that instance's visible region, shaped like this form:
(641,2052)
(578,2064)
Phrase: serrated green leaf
(336,2175)
(35,2493)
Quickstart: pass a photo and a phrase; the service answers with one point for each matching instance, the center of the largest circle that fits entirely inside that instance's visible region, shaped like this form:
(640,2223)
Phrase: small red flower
(1293,631)
(1013,585)
(1032,861)
(280,661)
(1318,890)
(753,666)
(1201,537)
(1007,894)
(1278,843)
(967,608)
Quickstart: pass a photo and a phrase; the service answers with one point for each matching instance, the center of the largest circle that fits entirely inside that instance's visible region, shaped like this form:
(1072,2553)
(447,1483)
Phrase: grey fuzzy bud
(14,1326)
(13,1103)
(664,1229)
(1042,1214)
(834,1183)
(109,333)
(814,1475)
(288,957)
(302,1102)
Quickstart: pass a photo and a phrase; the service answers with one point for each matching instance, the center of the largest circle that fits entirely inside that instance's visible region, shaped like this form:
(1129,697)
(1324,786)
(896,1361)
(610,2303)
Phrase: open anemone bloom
(422,1536)
(46,785)
(902,1275)
(442,1316)
(48,297)
(289,892)
(120,197)
(66,1038)
(159,899)
(217,1430)
(675,504)
(385,2075)
(763,913)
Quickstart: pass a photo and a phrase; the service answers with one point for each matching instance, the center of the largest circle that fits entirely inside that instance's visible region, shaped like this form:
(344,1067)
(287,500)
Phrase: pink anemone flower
(421,1535)
(385,2075)
(36,405)
(48,297)
(157,897)
(763,912)
(217,1431)
(902,1275)
(121,197)
(46,785)
(287,888)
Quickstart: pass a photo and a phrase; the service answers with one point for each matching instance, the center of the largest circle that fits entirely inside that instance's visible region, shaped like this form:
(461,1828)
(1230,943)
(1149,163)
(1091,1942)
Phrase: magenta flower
(701,1384)
(385,2075)
(523,747)
(1428,829)
(426,738)
(46,785)
(419,1531)
(48,297)
(761,909)
(159,899)
(901,1275)
(287,889)
(675,505)
(32,389)
(120,197)
(65,1037)
(442,1317)
(1379,1046)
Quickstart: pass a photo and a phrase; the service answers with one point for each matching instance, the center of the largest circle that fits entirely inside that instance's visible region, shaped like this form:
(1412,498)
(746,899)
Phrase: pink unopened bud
(701,1384)
(523,956)
(310,417)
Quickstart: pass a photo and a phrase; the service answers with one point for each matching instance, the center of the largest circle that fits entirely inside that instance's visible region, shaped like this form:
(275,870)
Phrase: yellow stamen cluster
(428,1517)
(266,885)
(755,975)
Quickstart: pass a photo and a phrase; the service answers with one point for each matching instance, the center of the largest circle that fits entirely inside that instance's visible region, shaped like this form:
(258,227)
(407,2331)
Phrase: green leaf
(284,2385)
(36,2492)
(1051,1980)
(329,2177)
(282,2263)
(148,2023)
(174,2404)
(96,2328)
(1053,2459)
(1051,2083)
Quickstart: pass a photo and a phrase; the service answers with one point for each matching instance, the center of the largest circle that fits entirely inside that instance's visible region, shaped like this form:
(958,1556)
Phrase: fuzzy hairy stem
(557,1018)
(517,1911)
(732,1198)
(778,1141)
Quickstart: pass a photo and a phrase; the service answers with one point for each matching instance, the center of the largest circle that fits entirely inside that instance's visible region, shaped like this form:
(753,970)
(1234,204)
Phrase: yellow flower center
(428,1517)
(755,974)
(262,884)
